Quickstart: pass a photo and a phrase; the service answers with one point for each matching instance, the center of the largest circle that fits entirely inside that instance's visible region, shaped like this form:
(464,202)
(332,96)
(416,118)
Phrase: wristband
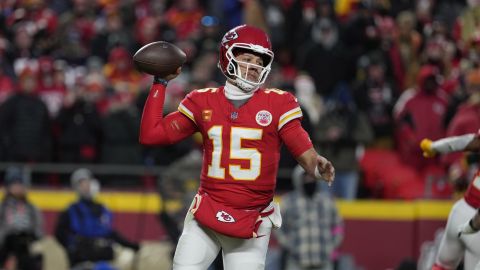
(158,80)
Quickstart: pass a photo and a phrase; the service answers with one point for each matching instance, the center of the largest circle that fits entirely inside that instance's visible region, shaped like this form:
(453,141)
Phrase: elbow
(144,140)
(149,140)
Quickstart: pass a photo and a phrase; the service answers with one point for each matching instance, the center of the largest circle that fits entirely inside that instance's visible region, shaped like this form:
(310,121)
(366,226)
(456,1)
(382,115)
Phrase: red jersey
(241,146)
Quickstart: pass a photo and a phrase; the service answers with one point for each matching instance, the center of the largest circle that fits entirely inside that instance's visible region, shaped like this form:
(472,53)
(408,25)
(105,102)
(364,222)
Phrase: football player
(243,127)
(458,242)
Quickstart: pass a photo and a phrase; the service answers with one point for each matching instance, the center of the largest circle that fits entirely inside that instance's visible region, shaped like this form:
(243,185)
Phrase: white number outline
(214,170)
(237,135)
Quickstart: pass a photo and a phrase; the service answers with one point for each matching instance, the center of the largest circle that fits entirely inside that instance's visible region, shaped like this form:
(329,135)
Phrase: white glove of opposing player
(466,228)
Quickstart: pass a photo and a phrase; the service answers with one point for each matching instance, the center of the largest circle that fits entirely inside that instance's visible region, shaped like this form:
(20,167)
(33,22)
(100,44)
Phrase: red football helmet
(247,38)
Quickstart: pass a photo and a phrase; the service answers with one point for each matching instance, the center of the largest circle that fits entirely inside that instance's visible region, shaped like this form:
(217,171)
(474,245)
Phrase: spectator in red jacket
(418,114)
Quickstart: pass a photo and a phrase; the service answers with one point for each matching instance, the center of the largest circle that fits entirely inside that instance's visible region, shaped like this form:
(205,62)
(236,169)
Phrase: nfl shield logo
(234,115)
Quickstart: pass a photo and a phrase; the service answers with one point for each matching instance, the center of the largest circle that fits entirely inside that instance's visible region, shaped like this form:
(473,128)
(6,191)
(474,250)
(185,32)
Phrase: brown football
(159,58)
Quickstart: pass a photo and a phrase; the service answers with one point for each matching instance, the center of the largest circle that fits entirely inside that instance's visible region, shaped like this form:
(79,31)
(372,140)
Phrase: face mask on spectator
(309,189)
(309,186)
(430,85)
(84,183)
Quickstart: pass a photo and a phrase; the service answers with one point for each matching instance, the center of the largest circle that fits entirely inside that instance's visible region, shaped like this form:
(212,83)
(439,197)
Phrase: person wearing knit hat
(84,183)
(13,175)
(85,228)
(21,223)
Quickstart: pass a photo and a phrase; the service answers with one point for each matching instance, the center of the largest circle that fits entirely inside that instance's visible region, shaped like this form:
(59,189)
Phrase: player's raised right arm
(158,130)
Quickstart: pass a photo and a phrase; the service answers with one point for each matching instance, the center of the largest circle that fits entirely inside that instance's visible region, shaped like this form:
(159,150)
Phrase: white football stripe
(289,116)
(186,112)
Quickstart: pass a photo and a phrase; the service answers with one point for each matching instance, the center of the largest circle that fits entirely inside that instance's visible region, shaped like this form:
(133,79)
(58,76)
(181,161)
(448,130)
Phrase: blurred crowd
(373,77)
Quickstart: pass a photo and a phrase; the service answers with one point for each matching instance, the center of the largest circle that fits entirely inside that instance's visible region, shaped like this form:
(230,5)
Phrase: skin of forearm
(308,160)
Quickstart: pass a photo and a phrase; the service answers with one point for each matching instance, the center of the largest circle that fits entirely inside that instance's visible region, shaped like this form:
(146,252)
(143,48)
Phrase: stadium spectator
(85,228)
(79,125)
(375,95)
(418,114)
(52,89)
(336,60)
(25,124)
(299,19)
(312,228)
(184,17)
(466,24)
(361,33)
(76,29)
(441,53)
(21,224)
(146,31)
(405,50)
(312,103)
(119,69)
(112,34)
(338,134)
(21,47)
(7,85)
(120,129)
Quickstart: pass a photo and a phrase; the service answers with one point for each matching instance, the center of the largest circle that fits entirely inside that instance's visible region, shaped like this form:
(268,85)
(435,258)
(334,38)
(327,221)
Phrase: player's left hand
(325,170)
(466,228)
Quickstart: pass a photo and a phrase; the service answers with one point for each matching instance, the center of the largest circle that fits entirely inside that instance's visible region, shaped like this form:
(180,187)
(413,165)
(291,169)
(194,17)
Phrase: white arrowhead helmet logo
(223,216)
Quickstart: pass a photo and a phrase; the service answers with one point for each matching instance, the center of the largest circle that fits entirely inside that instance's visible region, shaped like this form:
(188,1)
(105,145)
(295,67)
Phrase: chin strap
(249,88)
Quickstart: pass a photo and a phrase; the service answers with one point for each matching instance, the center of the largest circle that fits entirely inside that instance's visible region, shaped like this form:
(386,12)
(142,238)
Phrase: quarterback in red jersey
(243,127)
(459,241)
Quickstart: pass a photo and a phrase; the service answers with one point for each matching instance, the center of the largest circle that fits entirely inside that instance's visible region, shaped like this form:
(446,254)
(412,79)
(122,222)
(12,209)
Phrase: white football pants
(452,249)
(198,247)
